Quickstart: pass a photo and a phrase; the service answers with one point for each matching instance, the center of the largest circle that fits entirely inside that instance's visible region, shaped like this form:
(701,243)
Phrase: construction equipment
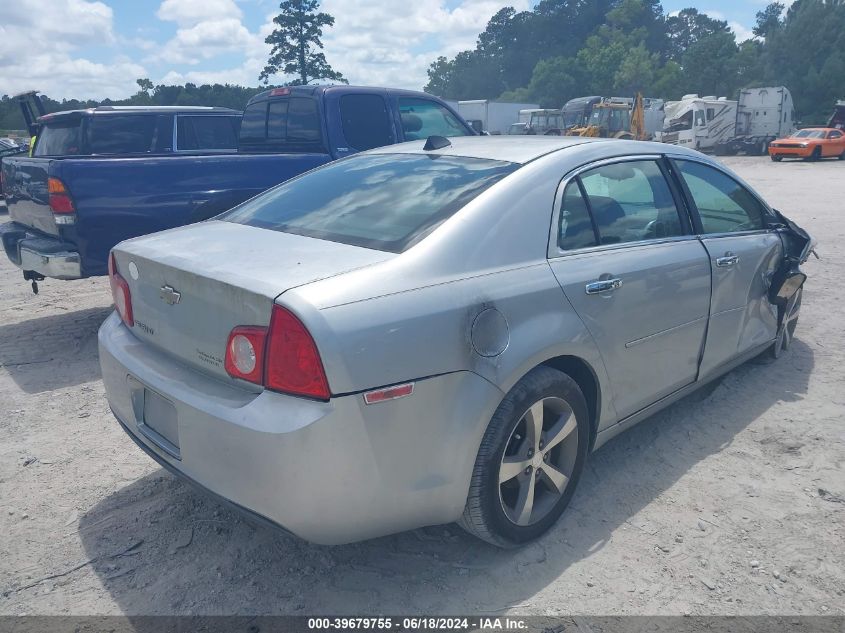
(837,119)
(615,117)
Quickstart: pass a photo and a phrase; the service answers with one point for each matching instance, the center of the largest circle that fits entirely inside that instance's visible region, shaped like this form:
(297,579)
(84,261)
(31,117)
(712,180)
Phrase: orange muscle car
(811,143)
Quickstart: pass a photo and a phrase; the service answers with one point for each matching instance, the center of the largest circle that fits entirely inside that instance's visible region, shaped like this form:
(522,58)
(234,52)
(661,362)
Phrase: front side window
(699,118)
(422,118)
(385,202)
(724,205)
(366,122)
(631,201)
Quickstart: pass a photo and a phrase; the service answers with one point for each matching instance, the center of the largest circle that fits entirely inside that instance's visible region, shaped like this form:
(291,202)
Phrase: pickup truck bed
(70,206)
(119,198)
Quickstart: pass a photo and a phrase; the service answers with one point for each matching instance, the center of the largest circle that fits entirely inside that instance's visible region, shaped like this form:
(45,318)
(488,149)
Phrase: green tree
(688,27)
(711,64)
(555,81)
(769,20)
(297,44)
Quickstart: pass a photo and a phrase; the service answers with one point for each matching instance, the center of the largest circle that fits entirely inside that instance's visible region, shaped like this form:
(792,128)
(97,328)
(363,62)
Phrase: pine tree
(297,45)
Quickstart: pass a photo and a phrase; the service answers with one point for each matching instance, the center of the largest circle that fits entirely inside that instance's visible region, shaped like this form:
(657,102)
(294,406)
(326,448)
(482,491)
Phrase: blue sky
(97,48)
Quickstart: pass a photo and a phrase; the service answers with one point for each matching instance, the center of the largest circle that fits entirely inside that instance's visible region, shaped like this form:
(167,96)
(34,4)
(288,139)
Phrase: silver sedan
(439,332)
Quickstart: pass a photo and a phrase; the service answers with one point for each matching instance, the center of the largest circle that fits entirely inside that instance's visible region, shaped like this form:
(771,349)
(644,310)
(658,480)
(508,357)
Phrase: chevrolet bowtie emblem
(169,295)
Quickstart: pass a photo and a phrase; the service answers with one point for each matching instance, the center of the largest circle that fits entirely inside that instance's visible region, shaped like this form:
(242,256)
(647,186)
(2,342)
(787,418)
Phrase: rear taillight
(245,353)
(61,204)
(120,293)
(282,357)
(293,363)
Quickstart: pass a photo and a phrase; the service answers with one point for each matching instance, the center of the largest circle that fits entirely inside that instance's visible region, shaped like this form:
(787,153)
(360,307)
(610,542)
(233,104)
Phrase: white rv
(724,126)
(493,117)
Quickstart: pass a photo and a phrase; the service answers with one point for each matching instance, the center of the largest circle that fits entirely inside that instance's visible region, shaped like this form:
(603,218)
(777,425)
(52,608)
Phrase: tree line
(569,48)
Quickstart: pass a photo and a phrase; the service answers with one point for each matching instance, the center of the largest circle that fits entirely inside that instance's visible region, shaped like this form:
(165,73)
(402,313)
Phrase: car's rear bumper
(330,472)
(45,255)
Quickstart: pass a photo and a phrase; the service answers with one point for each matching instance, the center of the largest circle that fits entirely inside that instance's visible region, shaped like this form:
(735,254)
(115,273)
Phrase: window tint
(206,132)
(60,139)
(575,229)
(254,123)
(303,121)
(631,201)
(723,204)
(121,134)
(385,202)
(277,120)
(366,122)
(834,134)
(422,118)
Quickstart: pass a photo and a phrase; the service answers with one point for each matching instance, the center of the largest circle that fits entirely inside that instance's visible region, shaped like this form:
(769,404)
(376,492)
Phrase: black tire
(816,155)
(842,155)
(484,514)
(776,159)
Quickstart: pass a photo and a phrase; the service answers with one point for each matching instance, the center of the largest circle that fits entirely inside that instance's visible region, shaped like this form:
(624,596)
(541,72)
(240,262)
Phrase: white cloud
(373,43)
(50,65)
(742,33)
(205,40)
(187,13)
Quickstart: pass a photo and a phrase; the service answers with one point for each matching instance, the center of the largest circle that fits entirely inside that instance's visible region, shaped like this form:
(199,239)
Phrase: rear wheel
(842,155)
(530,460)
(786,329)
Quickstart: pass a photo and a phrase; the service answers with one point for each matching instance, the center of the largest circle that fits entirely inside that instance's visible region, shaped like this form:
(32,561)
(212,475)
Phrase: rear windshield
(62,138)
(282,125)
(386,202)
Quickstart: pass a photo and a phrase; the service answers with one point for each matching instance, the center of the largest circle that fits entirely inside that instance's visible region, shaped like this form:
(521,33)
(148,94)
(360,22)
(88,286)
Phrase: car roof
(336,88)
(142,110)
(523,149)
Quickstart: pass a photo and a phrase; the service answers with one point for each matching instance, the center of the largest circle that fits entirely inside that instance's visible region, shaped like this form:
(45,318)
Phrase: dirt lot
(729,503)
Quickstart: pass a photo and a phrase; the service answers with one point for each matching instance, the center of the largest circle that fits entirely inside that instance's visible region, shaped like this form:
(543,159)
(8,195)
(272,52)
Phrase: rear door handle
(603,285)
(728,260)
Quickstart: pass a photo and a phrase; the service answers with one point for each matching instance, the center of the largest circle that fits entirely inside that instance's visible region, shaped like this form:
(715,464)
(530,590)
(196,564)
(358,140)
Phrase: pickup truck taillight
(61,204)
(120,293)
(282,357)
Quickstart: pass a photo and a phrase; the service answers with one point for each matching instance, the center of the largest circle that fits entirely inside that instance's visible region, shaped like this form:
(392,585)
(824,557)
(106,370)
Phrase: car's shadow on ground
(66,341)
(160,547)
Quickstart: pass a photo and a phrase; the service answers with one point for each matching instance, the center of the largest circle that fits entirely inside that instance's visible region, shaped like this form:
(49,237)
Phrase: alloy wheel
(538,461)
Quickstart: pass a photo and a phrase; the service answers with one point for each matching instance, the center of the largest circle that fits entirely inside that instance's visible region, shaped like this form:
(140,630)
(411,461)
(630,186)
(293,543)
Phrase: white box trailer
(728,127)
(493,117)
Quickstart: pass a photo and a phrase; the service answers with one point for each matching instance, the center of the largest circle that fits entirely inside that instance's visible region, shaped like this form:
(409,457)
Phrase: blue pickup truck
(93,180)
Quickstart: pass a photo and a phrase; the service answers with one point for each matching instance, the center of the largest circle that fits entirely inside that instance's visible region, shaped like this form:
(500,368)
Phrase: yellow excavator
(615,119)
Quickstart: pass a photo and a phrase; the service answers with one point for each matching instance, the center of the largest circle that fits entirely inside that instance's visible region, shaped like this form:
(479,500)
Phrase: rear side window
(385,202)
(422,118)
(724,205)
(60,139)
(206,132)
(631,201)
(121,134)
(366,122)
(575,229)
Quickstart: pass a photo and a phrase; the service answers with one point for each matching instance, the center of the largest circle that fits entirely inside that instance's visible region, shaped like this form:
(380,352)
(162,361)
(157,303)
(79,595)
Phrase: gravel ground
(730,502)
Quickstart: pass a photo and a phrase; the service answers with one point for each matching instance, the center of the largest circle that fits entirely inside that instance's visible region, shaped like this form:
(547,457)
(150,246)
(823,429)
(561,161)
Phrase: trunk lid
(192,285)
(25,189)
